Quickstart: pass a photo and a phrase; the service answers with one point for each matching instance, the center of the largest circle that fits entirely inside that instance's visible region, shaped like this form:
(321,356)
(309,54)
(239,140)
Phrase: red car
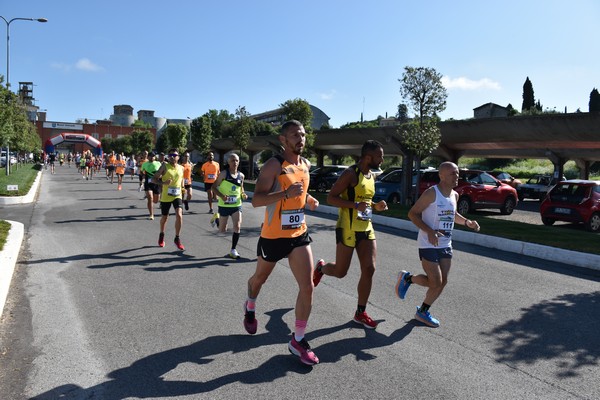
(477,190)
(574,200)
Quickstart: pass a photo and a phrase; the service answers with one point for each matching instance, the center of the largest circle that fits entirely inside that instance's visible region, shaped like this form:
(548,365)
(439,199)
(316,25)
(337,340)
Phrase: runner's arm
(263,195)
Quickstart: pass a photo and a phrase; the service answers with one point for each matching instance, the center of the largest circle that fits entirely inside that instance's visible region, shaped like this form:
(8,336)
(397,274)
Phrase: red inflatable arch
(73,137)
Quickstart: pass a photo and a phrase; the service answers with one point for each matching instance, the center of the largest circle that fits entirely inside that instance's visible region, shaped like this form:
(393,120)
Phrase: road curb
(28,198)
(8,258)
(575,258)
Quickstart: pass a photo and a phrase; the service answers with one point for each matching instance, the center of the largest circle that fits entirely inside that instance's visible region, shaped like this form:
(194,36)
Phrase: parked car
(323,178)
(12,158)
(389,187)
(575,201)
(480,190)
(505,177)
(387,171)
(428,178)
(476,190)
(244,169)
(535,187)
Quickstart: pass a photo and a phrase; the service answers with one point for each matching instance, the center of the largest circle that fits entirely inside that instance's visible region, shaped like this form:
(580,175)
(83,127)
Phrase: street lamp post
(8,68)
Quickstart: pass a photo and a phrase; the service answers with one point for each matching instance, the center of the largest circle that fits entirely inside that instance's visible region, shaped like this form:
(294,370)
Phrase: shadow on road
(144,378)
(564,330)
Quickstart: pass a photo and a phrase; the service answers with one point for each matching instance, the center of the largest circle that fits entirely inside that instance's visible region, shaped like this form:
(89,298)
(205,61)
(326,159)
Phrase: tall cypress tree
(594,101)
(528,97)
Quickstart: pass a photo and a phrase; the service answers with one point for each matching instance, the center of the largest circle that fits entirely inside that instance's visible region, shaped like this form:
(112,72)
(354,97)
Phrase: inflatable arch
(73,137)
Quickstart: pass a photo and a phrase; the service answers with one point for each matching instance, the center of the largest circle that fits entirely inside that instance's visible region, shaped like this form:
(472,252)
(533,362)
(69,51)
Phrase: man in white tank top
(434,214)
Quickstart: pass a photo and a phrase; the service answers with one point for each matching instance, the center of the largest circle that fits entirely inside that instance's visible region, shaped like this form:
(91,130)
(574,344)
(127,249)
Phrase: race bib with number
(211,176)
(445,225)
(292,219)
(186,181)
(231,200)
(174,191)
(365,215)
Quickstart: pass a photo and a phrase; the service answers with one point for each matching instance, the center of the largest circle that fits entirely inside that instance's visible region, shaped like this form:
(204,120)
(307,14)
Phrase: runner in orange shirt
(110,166)
(120,170)
(187,180)
(210,172)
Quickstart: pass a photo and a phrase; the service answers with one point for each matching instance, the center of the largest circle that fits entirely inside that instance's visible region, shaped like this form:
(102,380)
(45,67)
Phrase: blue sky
(183,57)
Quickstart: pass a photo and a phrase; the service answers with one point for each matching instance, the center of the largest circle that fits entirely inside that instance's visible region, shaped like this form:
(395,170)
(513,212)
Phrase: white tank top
(439,215)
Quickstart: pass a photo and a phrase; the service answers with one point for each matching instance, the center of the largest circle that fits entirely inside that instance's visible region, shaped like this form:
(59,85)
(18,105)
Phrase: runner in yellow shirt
(171,175)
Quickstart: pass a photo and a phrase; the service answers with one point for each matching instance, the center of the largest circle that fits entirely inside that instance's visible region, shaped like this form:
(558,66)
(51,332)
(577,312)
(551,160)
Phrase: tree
(242,128)
(422,88)
(141,140)
(218,120)
(201,133)
(162,143)
(299,110)
(402,114)
(107,145)
(594,101)
(177,135)
(528,97)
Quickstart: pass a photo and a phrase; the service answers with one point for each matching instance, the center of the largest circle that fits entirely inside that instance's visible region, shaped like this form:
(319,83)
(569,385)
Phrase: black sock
(424,308)
(234,241)
(360,309)
(408,278)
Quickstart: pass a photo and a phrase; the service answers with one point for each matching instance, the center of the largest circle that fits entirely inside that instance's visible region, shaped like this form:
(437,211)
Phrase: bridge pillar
(584,168)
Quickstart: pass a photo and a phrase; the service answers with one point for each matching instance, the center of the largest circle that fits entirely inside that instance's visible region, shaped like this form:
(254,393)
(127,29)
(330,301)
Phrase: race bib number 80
(292,219)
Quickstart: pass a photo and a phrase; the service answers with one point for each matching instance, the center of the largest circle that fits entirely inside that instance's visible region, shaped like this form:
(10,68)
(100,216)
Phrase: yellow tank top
(350,218)
(285,218)
(172,191)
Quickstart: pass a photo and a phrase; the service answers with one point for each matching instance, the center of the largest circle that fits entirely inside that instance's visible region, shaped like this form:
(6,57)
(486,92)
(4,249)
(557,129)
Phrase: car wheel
(593,224)
(548,221)
(509,206)
(322,186)
(394,198)
(463,206)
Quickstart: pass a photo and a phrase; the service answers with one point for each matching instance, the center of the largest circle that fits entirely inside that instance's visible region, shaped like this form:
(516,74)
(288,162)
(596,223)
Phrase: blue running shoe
(402,285)
(426,318)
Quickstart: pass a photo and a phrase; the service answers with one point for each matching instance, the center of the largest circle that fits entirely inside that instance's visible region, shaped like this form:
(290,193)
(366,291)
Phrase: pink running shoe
(302,350)
(250,322)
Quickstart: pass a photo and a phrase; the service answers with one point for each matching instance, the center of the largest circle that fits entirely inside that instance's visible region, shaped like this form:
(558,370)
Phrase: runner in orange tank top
(283,188)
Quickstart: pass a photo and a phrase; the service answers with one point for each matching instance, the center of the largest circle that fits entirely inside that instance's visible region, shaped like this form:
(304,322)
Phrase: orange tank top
(187,174)
(285,218)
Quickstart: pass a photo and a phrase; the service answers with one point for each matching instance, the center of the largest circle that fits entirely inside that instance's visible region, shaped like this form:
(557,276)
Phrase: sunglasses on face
(173,155)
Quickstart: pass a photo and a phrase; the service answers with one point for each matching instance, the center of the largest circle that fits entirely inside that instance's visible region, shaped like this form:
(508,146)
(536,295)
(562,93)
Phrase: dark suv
(323,178)
(476,190)
(574,200)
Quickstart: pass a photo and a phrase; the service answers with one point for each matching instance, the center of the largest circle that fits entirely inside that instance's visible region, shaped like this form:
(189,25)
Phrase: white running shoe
(234,254)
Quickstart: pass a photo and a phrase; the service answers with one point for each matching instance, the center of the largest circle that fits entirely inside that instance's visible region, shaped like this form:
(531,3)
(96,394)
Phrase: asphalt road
(98,311)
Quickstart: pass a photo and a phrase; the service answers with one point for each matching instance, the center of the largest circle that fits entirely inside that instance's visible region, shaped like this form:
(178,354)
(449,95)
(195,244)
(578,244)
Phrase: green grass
(562,237)
(22,176)
(4,228)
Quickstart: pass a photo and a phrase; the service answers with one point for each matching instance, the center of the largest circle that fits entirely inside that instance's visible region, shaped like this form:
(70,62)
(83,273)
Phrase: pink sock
(250,304)
(300,329)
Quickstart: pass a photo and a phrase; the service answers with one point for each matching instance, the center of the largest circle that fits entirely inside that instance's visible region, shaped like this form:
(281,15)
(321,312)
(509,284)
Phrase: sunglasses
(174,155)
